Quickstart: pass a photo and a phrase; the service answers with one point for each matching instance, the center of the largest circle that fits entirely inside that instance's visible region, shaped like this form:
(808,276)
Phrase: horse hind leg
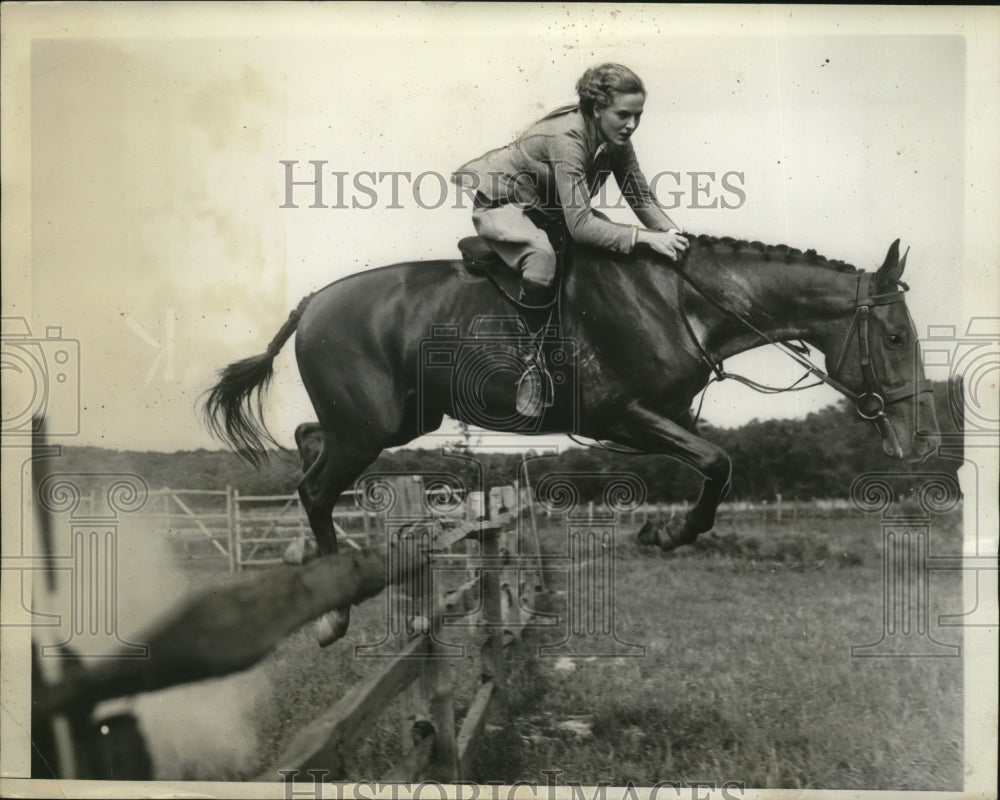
(332,468)
(309,441)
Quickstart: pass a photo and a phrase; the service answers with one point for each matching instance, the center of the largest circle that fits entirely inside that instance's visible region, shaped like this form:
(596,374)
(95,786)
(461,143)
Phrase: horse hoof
(299,552)
(647,534)
(332,626)
(668,539)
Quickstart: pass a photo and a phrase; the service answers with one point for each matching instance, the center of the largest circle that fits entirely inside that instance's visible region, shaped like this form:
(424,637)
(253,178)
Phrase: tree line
(815,457)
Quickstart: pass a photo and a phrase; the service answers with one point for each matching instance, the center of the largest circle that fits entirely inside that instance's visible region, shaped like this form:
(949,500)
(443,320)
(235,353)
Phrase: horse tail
(233,410)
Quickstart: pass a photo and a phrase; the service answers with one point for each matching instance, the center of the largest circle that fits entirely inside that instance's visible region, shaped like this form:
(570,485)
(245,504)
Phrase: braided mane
(782,253)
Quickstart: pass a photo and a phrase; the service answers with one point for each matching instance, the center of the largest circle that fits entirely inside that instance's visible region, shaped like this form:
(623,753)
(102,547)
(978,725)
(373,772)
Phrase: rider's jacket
(555,168)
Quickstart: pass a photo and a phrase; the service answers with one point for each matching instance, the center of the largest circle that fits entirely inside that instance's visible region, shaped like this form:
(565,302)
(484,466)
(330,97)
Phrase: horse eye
(894,340)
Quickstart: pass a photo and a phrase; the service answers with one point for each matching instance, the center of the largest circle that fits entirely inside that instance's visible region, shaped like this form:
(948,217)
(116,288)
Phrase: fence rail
(779,511)
(255,530)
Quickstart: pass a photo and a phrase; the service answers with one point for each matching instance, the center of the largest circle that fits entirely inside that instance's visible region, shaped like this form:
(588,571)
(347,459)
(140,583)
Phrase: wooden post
(492,653)
(523,493)
(238,530)
(778,508)
(231,528)
(438,686)
(427,706)
(527,494)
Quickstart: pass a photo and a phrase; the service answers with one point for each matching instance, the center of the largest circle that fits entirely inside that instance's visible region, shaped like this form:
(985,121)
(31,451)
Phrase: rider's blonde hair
(599,85)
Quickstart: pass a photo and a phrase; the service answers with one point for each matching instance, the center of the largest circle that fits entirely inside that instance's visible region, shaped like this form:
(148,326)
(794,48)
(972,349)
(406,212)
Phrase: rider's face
(618,121)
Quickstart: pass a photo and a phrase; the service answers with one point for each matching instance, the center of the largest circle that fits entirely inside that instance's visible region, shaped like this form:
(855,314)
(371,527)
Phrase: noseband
(871,404)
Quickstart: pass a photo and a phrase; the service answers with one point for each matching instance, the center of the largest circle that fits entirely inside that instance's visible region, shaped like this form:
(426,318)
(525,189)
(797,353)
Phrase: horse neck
(785,301)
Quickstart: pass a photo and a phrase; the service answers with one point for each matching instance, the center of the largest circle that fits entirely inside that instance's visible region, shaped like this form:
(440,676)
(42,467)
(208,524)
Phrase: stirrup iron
(535,388)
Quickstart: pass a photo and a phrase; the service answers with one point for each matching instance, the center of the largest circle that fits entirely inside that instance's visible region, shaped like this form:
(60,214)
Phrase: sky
(147,151)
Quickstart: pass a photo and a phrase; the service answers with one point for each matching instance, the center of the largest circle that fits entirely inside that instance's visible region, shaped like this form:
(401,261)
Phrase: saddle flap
(478,254)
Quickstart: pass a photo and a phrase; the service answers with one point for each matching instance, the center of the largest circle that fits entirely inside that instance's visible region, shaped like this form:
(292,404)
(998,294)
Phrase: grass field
(747,674)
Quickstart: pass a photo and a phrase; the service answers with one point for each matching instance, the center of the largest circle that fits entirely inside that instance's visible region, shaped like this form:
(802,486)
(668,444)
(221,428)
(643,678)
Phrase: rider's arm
(635,189)
(568,160)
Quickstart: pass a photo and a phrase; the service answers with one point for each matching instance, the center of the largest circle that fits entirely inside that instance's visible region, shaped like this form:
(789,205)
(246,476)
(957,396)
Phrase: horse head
(879,364)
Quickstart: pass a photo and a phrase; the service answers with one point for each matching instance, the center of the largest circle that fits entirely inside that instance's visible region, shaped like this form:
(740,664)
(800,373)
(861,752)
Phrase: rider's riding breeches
(518,241)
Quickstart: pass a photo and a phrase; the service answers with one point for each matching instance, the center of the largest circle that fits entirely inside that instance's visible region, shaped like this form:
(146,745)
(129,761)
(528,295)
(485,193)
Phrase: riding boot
(534,389)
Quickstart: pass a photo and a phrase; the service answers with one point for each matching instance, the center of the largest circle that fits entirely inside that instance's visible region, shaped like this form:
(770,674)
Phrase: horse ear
(888,274)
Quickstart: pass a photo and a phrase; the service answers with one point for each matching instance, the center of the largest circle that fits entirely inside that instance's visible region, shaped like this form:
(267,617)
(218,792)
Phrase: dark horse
(385,354)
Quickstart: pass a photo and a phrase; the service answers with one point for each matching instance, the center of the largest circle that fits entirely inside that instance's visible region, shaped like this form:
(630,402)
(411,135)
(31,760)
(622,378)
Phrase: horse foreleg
(652,432)
(714,489)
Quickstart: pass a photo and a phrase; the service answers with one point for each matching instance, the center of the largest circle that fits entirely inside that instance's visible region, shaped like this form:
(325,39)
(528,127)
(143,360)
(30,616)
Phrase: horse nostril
(928,441)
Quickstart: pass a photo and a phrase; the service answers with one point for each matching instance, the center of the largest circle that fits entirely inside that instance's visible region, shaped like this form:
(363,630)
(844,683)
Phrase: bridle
(871,403)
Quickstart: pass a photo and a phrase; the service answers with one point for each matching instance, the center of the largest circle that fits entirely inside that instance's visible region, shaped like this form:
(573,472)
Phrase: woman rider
(529,191)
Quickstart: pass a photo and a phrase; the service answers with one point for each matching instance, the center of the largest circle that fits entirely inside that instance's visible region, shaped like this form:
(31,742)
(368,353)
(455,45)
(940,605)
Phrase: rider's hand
(670,244)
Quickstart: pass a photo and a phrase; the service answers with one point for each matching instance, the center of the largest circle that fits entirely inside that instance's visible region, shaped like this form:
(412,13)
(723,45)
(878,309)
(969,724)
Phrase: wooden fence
(228,628)
(417,663)
(255,530)
(246,530)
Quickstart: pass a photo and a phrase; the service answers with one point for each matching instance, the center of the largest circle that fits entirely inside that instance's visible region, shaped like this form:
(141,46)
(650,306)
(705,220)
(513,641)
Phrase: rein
(871,404)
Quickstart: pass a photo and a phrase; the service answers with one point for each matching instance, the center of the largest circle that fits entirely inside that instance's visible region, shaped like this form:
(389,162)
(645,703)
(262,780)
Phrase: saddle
(481,260)
(479,257)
